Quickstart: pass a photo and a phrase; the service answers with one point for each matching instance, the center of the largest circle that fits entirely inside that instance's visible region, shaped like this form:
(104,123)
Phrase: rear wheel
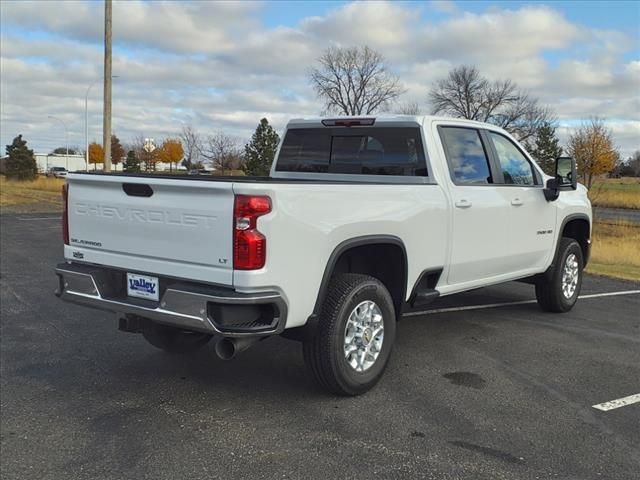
(173,340)
(560,293)
(355,335)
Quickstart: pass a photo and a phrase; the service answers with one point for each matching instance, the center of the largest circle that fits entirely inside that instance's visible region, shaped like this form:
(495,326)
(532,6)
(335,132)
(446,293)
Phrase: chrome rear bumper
(204,308)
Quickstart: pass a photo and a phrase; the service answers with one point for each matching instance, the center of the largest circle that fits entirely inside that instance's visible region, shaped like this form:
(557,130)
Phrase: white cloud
(215,65)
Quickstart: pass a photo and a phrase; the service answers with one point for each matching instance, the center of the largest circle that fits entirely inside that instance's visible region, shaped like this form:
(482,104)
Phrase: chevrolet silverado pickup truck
(361,219)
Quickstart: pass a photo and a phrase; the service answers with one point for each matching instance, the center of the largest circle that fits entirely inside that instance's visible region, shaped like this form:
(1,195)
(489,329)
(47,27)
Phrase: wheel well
(385,261)
(579,230)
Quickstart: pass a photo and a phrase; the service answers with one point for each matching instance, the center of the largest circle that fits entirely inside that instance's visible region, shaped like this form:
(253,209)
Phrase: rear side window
(466,156)
(515,167)
(364,151)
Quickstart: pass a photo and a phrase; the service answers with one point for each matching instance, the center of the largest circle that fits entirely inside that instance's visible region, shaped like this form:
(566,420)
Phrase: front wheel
(560,293)
(173,340)
(355,335)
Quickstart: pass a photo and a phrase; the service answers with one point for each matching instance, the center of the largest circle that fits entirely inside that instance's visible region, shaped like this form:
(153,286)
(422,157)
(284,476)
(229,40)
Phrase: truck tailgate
(171,227)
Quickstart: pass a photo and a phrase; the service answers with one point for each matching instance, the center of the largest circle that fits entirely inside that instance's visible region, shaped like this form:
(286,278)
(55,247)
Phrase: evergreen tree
(259,152)
(132,162)
(21,164)
(545,148)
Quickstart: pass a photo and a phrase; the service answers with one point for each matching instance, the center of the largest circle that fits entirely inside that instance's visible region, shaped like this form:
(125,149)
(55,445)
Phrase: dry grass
(616,193)
(229,173)
(616,250)
(42,190)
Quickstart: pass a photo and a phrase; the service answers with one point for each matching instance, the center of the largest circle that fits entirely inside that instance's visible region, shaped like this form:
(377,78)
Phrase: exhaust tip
(225,349)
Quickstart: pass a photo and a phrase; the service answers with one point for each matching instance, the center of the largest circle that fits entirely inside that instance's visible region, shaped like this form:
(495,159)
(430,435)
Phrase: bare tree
(148,158)
(354,81)
(192,145)
(465,93)
(408,108)
(223,151)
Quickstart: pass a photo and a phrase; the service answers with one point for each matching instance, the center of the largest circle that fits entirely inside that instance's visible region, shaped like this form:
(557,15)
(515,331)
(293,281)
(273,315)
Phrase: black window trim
(490,158)
(537,178)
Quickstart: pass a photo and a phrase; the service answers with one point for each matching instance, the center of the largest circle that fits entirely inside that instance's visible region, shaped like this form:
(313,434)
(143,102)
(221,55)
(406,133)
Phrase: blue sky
(222,66)
(619,15)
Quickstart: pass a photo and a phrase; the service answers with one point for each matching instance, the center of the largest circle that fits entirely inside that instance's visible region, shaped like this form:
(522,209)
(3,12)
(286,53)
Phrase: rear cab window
(396,151)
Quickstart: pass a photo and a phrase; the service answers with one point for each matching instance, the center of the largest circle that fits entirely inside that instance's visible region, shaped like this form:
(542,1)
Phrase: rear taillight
(65,214)
(249,245)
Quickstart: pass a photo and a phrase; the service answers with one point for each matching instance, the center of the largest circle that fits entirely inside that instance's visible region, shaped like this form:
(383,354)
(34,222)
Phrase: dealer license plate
(142,286)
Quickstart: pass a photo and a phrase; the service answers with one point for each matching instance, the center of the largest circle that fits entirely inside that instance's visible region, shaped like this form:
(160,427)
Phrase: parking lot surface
(505,392)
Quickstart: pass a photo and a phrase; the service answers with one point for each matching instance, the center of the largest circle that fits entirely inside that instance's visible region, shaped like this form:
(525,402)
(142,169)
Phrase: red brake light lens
(65,214)
(249,245)
(348,122)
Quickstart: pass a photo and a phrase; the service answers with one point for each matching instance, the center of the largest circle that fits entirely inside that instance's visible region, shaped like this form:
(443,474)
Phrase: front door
(531,218)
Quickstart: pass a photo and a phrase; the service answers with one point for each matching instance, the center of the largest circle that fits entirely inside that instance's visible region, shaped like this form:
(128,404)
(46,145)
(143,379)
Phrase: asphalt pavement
(504,392)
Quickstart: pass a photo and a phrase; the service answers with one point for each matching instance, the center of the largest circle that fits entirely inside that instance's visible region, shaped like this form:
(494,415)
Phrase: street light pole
(66,138)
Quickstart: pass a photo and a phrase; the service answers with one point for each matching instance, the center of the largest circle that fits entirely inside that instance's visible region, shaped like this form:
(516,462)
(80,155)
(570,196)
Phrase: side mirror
(566,178)
(566,173)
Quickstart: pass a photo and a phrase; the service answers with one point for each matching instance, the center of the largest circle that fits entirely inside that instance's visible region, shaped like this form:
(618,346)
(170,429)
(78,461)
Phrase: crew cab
(361,219)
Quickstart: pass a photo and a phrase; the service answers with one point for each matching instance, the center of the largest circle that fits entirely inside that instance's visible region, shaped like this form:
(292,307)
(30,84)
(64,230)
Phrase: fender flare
(347,245)
(567,219)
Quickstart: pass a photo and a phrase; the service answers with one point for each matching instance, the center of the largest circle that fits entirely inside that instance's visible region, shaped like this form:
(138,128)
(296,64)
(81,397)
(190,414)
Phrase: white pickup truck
(361,220)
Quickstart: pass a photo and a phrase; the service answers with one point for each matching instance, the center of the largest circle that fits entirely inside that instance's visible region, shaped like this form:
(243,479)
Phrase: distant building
(72,162)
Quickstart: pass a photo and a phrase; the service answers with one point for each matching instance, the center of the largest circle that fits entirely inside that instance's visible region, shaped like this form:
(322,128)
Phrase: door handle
(516,202)
(463,203)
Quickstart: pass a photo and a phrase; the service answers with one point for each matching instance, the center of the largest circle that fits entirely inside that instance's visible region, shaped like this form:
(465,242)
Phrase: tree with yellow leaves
(592,147)
(96,154)
(171,152)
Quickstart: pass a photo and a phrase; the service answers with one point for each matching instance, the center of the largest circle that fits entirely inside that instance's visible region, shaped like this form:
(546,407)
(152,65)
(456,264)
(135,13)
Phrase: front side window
(356,150)
(466,156)
(515,167)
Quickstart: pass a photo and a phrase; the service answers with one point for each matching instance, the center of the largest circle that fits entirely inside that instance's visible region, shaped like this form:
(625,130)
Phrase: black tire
(173,340)
(549,293)
(324,352)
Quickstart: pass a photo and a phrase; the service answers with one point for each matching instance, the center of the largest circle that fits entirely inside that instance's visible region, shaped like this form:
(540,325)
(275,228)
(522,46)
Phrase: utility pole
(106,114)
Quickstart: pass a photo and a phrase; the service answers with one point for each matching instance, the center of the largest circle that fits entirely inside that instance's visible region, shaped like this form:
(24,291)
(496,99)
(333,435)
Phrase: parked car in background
(57,172)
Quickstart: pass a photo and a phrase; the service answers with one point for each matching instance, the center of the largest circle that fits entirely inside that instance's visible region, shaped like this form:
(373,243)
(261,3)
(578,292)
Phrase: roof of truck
(385,118)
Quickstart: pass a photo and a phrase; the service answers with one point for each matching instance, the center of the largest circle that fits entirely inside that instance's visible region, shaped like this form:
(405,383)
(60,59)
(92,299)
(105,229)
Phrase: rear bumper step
(199,307)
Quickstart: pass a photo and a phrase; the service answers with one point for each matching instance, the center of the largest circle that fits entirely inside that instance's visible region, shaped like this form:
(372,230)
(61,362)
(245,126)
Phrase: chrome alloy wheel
(363,336)
(570,274)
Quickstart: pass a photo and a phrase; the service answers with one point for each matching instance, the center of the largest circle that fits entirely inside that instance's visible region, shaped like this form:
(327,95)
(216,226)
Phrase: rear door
(480,226)
(171,227)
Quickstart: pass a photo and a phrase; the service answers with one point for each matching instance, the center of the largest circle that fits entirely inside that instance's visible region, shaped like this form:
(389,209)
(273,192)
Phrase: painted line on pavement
(29,219)
(617,403)
(506,304)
